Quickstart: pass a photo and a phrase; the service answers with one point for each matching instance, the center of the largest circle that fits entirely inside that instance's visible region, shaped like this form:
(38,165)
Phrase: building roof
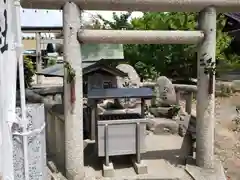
(42,29)
(235,16)
(233,23)
(232,27)
(120,93)
(88,67)
(53,71)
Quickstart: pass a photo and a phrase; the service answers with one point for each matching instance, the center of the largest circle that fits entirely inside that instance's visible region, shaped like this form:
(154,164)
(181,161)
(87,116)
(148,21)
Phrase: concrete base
(108,171)
(139,168)
(198,173)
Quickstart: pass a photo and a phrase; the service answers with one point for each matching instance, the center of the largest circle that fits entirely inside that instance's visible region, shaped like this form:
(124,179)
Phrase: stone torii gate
(205,37)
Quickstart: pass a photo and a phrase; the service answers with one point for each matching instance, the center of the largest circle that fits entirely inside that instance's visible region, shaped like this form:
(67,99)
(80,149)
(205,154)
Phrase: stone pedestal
(140,168)
(36,145)
(108,171)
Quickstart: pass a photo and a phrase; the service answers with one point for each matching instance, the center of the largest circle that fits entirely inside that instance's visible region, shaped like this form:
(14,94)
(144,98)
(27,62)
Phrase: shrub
(28,73)
(225,90)
(52,61)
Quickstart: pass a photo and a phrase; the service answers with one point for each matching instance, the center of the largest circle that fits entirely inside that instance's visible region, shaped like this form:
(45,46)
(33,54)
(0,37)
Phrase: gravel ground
(227,141)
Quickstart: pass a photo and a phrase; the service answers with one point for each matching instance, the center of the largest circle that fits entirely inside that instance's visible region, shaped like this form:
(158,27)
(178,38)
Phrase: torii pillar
(38,57)
(73,95)
(206,90)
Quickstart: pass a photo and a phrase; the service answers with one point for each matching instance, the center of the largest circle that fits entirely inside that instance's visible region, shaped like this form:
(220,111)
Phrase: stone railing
(51,93)
(55,138)
(54,127)
(188,91)
(183,92)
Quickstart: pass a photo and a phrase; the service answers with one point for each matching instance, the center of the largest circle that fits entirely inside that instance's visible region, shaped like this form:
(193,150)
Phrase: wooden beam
(139,37)
(143,5)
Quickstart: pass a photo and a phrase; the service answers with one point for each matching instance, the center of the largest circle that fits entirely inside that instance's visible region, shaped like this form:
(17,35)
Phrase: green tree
(119,21)
(94,23)
(170,60)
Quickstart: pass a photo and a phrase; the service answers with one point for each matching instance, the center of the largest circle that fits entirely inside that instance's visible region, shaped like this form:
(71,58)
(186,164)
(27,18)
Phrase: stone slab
(198,173)
(108,171)
(163,126)
(159,111)
(52,166)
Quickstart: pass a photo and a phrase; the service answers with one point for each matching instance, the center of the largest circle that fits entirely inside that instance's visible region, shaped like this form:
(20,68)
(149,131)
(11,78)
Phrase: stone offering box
(123,131)
(121,136)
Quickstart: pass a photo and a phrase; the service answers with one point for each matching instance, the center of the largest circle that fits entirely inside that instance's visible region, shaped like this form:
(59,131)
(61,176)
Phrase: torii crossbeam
(135,5)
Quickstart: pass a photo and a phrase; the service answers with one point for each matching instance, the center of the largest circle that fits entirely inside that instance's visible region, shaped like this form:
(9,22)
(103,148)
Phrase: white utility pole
(8,69)
(19,55)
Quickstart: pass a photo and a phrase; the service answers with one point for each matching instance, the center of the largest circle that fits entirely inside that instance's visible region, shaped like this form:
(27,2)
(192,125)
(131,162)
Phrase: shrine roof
(120,93)
(88,67)
(234,15)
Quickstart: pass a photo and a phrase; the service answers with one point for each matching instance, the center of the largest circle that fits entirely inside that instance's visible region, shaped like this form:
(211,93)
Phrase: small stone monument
(164,108)
(132,81)
(165,92)
(165,103)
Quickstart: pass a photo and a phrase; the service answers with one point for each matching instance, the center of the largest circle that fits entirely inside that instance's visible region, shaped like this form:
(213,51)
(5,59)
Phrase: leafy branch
(209,65)
(71,72)
(209,69)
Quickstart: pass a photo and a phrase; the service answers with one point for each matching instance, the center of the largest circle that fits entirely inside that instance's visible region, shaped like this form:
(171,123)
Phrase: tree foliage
(170,60)
(28,73)
(119,22)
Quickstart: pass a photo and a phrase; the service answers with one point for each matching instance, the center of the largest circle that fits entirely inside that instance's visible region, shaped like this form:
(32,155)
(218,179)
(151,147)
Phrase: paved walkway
(165,158)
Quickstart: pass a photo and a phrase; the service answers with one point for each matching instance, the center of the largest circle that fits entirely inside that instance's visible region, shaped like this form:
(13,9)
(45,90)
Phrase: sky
(32,17)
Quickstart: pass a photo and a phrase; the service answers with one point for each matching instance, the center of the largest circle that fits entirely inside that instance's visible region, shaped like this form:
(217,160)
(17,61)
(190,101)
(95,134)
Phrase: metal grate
(120,116)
